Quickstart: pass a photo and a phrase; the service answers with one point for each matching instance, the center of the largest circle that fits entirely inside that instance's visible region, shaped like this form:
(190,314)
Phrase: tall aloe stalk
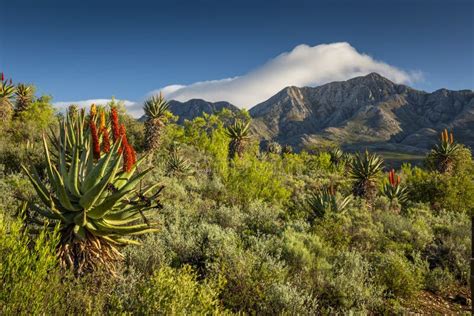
(91,193)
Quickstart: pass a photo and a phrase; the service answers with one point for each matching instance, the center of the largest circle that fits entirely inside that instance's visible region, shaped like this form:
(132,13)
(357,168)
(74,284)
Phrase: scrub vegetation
(103,214)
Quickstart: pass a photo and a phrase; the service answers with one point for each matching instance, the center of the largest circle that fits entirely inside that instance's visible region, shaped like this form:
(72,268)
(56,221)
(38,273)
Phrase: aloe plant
(177,165)
(92,194)
(7,93)
(326,201)
(364,169)
(337,155)
(239,137)
(394,189)
(444,152)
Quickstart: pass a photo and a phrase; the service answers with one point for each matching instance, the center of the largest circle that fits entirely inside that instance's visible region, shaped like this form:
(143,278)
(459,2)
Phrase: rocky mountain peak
(364,110)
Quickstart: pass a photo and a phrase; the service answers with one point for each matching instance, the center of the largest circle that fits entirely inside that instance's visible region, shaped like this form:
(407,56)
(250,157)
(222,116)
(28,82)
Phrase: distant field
(396,159)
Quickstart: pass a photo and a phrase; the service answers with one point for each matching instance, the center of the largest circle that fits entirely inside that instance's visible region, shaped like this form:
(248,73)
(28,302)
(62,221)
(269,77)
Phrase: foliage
(364,169)
(156,115)
(326,201)
(177,292)
(235,237)
(89,196)
(393,189)
(27,270)
(238,134)
(442,155)
(7,92)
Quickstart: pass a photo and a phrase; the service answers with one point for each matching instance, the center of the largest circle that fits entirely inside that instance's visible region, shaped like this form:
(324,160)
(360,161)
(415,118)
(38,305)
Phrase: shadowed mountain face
(369,111)
(196,107)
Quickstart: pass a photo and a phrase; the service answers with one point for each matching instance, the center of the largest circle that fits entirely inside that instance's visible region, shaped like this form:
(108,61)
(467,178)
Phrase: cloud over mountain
(303,66)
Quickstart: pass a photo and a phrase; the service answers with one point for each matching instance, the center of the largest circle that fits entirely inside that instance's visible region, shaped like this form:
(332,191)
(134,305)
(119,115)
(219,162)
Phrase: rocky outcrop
(364,111)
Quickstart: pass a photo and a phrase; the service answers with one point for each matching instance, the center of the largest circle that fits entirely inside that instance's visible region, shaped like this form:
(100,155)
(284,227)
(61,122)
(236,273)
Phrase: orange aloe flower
(115,124)
(102,121)
(93,111)
(129,156)
(105,141)
(95,139)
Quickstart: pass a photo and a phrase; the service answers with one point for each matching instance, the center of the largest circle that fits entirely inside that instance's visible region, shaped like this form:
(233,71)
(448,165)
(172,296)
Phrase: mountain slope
(196,107)
(365,111)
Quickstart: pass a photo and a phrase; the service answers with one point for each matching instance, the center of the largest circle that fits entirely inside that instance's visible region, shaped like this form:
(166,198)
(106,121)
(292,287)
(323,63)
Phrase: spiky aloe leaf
(82,195)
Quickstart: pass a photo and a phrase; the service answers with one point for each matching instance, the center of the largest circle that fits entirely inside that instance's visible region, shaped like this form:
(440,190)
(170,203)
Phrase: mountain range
(369,111)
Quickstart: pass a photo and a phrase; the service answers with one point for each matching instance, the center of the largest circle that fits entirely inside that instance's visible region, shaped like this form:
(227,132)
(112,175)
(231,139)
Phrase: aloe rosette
(91,191)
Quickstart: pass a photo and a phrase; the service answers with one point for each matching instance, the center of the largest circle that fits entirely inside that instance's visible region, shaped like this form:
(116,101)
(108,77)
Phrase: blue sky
(79,50)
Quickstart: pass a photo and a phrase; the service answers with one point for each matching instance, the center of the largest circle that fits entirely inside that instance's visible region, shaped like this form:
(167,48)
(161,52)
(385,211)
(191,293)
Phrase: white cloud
(303,66)
(132,108)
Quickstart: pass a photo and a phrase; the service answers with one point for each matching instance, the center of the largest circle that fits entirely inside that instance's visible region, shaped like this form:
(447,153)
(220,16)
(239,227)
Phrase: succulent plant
(337,155)
(176,164)
(444,153)
(325,201)
(287,149)
(24,97)
(274,148)
(394,189)
(7,92)
(239,136)
(155,109)
(364,169)
(92,194)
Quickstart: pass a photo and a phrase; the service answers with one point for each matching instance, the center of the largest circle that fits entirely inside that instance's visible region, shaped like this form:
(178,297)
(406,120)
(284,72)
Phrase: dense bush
(235,236)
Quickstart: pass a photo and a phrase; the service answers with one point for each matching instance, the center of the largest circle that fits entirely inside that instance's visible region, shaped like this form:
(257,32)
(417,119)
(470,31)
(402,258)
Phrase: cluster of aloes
(91,191)
(327,201)
(444,152)
(393,189)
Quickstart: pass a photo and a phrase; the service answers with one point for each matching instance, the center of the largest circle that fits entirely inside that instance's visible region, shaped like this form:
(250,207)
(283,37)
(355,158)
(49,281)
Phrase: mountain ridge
(367,110)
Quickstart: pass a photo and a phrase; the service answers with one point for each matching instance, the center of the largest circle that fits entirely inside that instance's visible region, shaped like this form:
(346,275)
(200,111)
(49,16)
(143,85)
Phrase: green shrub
(252,179)
(178,292)
(439,280)
(28,269)
(400,277)
(451,248)
(348,286)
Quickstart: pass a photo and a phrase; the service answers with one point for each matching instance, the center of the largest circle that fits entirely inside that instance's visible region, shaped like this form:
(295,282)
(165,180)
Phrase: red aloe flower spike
(128,159)
(391,177)
(95,139)
(398,180)
(2,76)
(123,137)
(115,124)
(451,138)
(127,151)
(105,141)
